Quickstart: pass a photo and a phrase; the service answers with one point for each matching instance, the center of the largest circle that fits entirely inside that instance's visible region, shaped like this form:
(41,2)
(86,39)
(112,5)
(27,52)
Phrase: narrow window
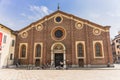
(98,50)
(118,52)
(118,46)
(80,50)
(116,40)
(23,51)
(4,39)
(119,40)
(118,58)
(11,56)
(13,42)
(38,51)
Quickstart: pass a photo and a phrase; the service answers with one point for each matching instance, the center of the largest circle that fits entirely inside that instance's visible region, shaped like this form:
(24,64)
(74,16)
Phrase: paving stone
(88,74)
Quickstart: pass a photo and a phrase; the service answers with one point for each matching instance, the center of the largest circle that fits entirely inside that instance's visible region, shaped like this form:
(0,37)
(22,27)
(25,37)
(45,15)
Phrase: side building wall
(7,47)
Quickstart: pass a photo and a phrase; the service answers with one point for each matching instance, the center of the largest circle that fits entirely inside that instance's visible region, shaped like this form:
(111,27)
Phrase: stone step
(12,66)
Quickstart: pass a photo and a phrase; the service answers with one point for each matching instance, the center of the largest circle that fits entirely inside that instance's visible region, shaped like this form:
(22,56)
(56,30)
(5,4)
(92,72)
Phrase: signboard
(0,40)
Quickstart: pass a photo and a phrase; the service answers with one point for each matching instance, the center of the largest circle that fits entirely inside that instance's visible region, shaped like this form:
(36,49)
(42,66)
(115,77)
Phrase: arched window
(98,50)
(80,50)
(38,50)
(23,51)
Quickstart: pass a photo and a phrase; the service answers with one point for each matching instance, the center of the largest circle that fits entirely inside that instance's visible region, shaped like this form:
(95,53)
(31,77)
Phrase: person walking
(61,64)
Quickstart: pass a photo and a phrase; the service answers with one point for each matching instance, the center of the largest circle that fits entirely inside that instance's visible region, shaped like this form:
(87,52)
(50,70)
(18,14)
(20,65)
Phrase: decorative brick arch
(58,43)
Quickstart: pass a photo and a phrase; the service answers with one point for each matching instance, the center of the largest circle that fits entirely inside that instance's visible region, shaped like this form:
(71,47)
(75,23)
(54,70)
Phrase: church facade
(62,37)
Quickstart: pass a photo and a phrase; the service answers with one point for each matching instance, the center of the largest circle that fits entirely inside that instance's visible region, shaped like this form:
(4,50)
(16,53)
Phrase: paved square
(93,74)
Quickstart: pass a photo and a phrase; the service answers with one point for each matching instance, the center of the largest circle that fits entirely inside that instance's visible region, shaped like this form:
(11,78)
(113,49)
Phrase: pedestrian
(61,64)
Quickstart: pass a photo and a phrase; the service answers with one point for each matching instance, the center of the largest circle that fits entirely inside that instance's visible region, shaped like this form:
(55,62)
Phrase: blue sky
(16,14)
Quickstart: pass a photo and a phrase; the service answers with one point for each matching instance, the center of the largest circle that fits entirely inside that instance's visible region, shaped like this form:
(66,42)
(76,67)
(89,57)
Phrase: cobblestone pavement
(91,74)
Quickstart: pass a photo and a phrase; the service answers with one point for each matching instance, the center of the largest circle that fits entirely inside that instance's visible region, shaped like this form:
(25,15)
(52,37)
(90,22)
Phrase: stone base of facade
(65,66)
(93,66)
(98,66)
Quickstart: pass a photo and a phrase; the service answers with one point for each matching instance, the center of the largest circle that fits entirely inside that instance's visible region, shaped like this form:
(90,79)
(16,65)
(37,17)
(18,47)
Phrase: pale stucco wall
(7,48)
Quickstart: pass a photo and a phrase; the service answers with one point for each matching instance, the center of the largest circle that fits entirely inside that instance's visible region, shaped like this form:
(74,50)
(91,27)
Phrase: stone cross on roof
(58,7)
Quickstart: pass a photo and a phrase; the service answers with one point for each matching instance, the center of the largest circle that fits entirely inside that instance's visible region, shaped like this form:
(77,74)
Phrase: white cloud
(40,9)
(34,13)
(45,9)
(37,12)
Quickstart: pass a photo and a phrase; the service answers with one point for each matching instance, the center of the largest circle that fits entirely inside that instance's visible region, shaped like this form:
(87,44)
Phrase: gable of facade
(80,41)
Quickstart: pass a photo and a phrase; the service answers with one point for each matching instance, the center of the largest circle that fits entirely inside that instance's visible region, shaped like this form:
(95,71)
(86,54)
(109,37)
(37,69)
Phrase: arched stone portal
(58,51)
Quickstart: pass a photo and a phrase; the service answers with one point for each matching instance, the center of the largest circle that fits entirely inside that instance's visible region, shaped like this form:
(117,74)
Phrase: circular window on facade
(58,34)
(39,27)
(58,19)
(24,34)
(79,25)
(96,32)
